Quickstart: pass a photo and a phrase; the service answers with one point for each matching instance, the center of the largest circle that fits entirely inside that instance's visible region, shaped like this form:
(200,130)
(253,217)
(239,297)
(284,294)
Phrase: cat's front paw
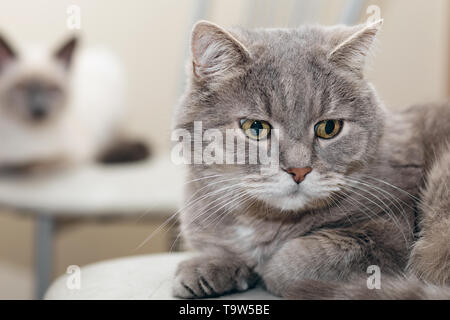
(204,277)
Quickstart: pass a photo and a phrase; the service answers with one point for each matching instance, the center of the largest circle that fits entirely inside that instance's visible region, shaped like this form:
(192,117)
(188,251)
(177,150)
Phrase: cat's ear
(352,51)
(215,51)
(64,54)
(6,52)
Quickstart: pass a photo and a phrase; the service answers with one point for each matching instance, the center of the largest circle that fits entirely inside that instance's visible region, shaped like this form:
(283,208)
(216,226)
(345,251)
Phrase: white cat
(58,106)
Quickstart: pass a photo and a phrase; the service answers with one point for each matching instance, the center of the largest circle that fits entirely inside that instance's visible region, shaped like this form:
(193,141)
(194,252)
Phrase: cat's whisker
(238,200)
(241,202)
(251,199)
(204,178)
(401,190)
(179,233)
(224,202)
(222,199)
(218,223)
(370,185)
(389,211)
(357,204)
(397,205)
(209,185)
(336,204)
(173,216)
(193,195)
(190,203)
(395,221)
(386,208)
(191,222)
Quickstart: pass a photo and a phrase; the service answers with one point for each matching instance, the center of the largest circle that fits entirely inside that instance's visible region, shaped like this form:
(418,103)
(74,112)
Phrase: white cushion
(138,277)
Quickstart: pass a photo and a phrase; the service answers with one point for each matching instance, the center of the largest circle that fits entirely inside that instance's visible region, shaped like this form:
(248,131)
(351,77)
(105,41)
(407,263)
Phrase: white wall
(410,65)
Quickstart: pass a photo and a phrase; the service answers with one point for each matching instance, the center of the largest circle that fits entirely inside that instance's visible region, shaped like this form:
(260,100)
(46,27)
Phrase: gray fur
(355,209)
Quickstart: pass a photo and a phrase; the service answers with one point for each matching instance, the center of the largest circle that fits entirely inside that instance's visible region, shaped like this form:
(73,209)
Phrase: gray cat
(357,185)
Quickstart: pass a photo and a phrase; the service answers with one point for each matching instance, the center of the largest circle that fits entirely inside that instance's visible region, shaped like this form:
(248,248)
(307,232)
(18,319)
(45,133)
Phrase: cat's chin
(297,204)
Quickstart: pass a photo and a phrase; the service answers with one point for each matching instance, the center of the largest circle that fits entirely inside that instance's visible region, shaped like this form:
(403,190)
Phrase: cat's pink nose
(299,174)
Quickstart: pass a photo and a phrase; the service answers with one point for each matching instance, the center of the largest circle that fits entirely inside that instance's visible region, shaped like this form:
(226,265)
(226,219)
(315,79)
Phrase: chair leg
(43,254)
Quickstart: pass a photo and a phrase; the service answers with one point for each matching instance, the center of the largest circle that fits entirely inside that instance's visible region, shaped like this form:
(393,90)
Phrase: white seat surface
(140,277)
(155,186)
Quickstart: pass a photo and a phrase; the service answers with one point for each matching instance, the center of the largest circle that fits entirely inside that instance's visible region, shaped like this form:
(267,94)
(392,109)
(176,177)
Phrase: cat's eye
(328,129)
(255,129)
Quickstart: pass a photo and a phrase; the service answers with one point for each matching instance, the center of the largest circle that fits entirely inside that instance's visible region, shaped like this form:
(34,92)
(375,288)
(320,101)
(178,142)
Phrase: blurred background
(151,38)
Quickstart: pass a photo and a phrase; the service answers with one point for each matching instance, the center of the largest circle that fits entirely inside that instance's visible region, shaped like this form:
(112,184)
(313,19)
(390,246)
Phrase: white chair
(140,277)
(152,188)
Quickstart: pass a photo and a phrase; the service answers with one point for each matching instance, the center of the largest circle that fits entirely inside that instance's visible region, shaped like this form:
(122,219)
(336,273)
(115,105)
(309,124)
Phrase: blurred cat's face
(327,116)
(34,100)
(33,87)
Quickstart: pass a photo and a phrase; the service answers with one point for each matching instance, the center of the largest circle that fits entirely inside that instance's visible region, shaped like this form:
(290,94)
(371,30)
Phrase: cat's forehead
(287,44)
(290,77)
(39,58)
(295,59)
(34,64)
